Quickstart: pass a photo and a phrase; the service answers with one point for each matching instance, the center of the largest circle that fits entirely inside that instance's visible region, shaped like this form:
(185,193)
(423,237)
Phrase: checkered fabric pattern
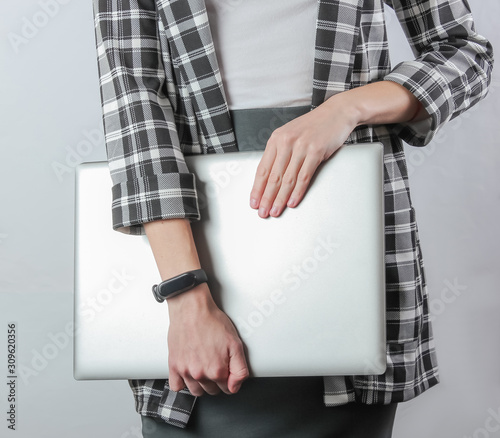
(163,97)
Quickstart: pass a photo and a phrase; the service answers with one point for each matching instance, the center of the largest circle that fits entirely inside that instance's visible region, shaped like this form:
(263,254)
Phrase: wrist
(195,300)
(381,102)
(345,106)
(179,284)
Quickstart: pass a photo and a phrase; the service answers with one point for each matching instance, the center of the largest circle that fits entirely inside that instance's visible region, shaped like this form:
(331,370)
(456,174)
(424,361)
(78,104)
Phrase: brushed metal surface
(306,291)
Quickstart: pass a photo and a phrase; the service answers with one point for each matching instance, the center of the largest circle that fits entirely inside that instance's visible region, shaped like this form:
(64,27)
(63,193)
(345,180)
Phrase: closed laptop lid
(306,290)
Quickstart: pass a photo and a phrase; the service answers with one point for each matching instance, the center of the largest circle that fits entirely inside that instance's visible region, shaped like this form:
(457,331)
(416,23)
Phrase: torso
(265,51)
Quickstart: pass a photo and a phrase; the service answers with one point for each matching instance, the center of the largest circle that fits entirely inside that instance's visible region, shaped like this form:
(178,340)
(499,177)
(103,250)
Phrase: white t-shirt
(265,50)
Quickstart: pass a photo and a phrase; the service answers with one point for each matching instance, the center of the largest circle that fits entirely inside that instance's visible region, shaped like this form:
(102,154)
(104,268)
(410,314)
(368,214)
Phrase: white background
(51,120)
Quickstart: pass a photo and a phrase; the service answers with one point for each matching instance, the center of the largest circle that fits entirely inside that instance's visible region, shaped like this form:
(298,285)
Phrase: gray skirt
(288,407)
(283,407)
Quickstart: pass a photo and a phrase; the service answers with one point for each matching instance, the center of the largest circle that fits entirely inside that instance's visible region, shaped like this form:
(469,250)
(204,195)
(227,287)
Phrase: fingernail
(274,211)
(254,203)
(291,202)
(262,211)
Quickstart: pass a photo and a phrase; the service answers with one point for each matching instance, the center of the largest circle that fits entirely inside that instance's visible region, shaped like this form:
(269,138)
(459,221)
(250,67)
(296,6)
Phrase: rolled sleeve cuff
(429,87)
(165,196)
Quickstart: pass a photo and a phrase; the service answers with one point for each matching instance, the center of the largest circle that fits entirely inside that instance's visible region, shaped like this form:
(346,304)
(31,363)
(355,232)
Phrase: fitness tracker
(179,284)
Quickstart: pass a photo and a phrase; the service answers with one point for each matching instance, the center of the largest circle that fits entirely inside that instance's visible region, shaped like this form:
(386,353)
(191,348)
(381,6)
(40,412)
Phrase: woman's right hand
(205,351)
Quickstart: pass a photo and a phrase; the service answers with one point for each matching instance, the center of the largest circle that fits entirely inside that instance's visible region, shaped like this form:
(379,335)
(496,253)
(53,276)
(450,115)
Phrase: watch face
(177,284)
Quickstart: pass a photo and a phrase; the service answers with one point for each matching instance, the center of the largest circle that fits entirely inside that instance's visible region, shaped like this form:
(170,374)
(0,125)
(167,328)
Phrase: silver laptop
(306,290)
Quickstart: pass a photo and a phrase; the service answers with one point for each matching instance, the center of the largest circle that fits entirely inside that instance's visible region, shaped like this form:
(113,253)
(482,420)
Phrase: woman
(164,96)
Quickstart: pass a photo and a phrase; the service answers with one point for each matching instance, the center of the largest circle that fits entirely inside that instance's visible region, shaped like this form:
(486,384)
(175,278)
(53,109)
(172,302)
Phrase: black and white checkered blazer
(163,98)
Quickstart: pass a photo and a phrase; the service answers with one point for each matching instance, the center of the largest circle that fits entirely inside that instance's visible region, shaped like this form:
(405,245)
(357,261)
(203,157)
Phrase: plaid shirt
(163,97)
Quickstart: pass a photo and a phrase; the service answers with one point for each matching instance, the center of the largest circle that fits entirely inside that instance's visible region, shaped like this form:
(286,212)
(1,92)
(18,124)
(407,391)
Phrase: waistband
(254,126)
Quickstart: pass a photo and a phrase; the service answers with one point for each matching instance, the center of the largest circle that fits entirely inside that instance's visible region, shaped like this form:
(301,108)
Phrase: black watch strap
(179,284)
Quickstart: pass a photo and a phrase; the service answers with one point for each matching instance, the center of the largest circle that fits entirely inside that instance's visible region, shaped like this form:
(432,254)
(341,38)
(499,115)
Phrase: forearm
(382,102)
(173,246)
(205,352)
(174,250)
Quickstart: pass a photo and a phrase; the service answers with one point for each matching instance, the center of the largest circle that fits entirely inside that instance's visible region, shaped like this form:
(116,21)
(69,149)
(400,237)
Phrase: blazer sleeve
(150,178)
(452,69)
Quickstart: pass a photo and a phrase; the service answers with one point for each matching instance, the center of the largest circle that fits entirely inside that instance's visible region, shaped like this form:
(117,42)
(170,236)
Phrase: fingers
(211,381)
(283,180)
(198,382)
(277,178)
(197,386)
(175,381)
(304,177)
(201,386)
(292,155)
(238,369)
(228,380)
(214,380)
(276,172)
(262,176)
(205,353)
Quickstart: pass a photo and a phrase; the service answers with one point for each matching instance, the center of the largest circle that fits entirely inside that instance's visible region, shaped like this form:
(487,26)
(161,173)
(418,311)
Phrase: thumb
(238,370)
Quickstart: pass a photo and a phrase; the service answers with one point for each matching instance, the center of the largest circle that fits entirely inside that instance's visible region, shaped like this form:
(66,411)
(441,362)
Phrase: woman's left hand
(294,152)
